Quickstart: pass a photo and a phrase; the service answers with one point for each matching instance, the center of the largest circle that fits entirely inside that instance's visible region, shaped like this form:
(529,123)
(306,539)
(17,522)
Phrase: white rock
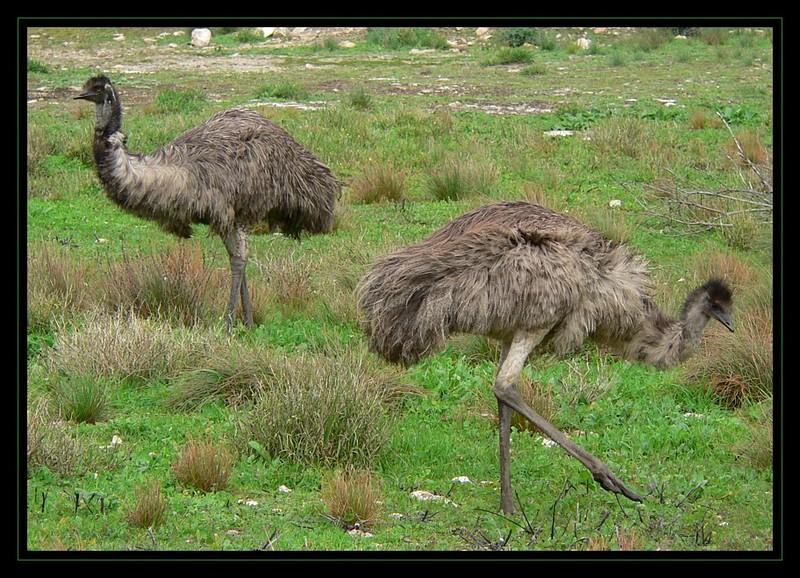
(425,496)
(284,490)
(462,480)
(201,37)
(266,31)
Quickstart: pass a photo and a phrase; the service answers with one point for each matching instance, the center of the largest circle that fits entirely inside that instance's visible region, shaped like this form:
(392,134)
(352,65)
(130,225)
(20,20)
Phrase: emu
(234,170)
(528,277)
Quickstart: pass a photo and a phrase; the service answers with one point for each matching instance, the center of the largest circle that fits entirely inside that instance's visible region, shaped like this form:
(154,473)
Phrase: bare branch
(690,208)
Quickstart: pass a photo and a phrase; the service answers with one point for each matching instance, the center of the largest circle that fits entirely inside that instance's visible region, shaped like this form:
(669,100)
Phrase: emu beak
(82,95)
(723,318)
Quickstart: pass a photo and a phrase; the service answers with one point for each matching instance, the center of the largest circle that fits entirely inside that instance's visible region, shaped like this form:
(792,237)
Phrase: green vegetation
(399,38)
(150,429)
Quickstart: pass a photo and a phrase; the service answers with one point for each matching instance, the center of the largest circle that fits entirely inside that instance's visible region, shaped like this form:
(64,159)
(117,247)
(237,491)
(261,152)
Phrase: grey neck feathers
(662,341)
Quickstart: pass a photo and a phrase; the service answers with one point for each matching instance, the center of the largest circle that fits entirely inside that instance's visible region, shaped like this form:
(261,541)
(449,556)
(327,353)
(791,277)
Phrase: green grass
(128,361)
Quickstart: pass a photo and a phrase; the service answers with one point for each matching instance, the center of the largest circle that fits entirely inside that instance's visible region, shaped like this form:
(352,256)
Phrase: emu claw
(612,483)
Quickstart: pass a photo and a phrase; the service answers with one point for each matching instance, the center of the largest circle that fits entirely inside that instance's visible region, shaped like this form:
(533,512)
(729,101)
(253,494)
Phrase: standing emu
(234,170)
(528,276)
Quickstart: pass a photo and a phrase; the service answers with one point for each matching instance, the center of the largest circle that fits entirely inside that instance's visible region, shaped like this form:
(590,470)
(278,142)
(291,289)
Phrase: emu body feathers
(510,267)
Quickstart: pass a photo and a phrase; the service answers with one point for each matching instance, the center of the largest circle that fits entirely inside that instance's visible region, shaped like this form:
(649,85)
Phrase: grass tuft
(400,38)
(233,373)
(81,397)
(120,346)
(540,397)
(149,506)
(325,409)
(758,447)
(352,497)
(457,179)
(205,465)
(59,284)
(284,91)
(50,442)
(173,285)
(360,99)
(380,182)
(172,100)
(513,55)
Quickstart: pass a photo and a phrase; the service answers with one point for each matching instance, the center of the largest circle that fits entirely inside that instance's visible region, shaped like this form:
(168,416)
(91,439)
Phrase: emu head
(100,91)
(718,301)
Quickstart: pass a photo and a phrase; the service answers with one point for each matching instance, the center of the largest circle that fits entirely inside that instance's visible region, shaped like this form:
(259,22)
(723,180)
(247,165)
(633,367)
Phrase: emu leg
(508,397)
(506,497)
(236,244)
(504,414)
(246,309)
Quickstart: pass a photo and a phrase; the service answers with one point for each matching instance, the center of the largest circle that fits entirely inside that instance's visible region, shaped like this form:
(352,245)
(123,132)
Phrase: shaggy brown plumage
(528,276)
(232,171)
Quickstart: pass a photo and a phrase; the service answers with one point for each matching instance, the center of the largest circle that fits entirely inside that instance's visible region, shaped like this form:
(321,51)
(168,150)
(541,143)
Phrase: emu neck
(692,322)
(108,118)
(662,341)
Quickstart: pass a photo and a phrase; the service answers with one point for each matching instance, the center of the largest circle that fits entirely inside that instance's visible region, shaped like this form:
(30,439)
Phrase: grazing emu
(234,170)
(528,276)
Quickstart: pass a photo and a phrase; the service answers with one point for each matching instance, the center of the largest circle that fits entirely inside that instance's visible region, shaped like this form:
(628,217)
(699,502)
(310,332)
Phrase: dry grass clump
(50,442)
(121,346)
(631,137)
(231,372)
(758,448)
(352,497)
(323,409)
(149,506)
(717,263)
(59,285)
(172,285)
(700,118)
(290,282)
(540,193)
(205,465)
(624,540)
(747,148)
(609,222)
(380,182)
(738,367)
(458,178)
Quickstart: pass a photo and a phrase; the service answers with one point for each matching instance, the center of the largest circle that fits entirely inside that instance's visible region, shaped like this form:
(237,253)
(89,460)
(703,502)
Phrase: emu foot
(603,475)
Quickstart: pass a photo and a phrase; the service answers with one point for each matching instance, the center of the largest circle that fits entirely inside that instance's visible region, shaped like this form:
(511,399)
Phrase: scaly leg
(504,415)
(508,397)
(236,244)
